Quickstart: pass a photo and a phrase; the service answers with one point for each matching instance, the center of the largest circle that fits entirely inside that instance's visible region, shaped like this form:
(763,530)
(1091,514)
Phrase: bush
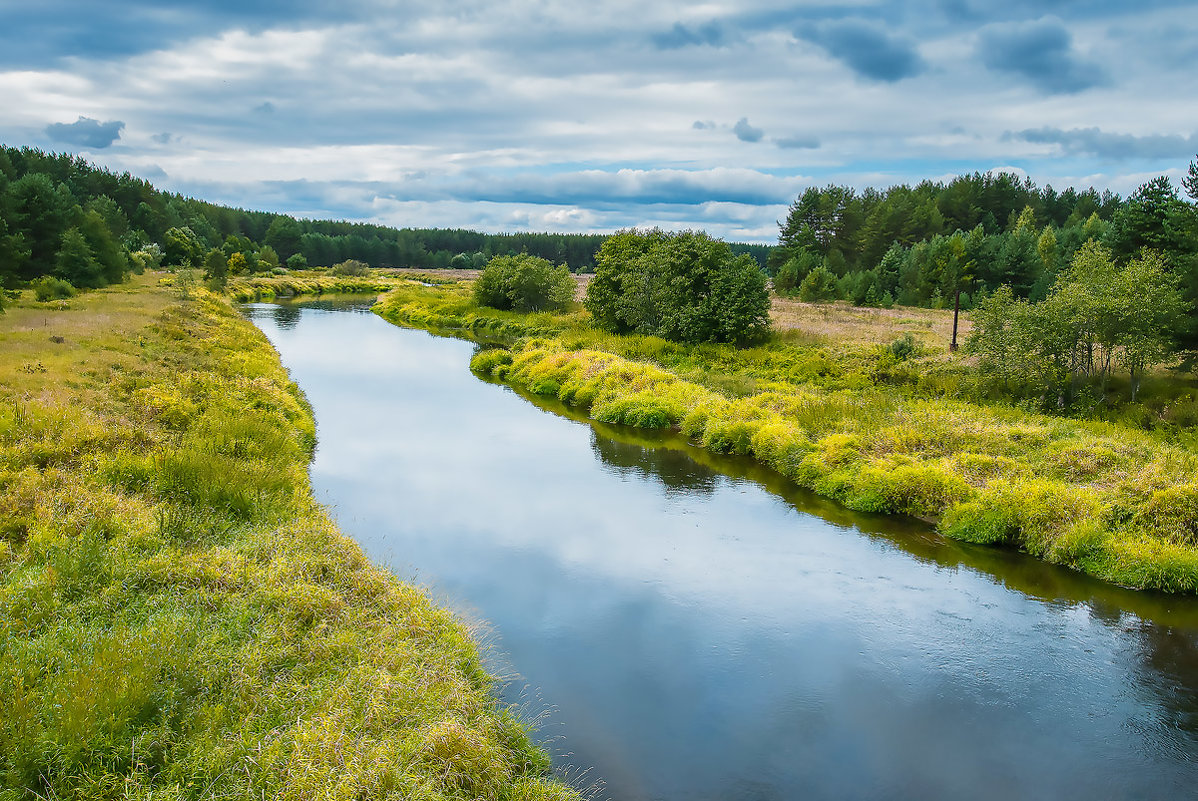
(684,286)
(50,288)
(351,267)
(297,261)
(525,284)
(819,285)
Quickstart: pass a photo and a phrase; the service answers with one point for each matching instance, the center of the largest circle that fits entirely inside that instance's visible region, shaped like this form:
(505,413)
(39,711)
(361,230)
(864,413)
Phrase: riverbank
(874,427)
(178,618)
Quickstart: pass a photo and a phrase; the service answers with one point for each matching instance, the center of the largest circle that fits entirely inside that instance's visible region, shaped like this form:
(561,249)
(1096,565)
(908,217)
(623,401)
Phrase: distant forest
(917,246)
(56,208)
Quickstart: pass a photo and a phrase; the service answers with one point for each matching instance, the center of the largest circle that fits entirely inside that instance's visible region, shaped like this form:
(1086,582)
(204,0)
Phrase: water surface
(694,627)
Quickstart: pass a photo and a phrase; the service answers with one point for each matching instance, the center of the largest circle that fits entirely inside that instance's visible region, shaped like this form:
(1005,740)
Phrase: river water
(687,626)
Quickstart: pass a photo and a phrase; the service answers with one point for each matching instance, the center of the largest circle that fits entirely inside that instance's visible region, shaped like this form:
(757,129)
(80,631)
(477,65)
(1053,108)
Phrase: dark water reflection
(700,629)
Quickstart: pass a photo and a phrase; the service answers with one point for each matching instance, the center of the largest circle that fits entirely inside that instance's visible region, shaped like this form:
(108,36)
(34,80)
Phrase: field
(178,618)
(840,402)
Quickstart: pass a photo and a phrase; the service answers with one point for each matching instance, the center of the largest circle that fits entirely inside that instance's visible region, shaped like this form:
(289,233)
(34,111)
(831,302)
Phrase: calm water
(694,628)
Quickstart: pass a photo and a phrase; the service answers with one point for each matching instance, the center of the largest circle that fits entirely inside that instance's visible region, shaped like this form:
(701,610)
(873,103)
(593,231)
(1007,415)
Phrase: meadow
(178,618)
(894,426)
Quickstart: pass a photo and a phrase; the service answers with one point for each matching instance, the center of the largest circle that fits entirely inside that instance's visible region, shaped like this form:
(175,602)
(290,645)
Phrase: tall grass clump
(179,619)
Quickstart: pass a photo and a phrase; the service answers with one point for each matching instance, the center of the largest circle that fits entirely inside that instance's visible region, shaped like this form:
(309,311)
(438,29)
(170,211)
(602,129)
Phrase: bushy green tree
(524,283)
(819,285)
(216,266)
(110,255)
(181,248)
(297,261)
(77,263)
(795,269)
(268,259)
(285,236)
(683,286)
(1097,315)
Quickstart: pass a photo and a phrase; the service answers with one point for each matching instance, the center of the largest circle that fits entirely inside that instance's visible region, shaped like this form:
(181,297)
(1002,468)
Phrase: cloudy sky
(550,115)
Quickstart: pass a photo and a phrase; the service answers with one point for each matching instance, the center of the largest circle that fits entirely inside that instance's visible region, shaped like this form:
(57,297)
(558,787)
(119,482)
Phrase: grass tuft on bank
(178,618)
(877,427)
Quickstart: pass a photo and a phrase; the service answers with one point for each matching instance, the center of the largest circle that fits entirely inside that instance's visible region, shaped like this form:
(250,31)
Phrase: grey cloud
(163,138)
(797,142)
(1095,142)
(86,132)
(867,49)
(599,190)
(711,34)
(703,125)
(265,108)
(1042,52)
(746,132)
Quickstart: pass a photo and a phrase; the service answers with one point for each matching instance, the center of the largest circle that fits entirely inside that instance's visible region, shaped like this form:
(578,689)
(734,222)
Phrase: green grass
(856,423)
(178,618)
(244,289)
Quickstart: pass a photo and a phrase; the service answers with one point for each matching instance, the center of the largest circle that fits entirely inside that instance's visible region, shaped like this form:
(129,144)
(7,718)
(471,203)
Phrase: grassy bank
(178,619)
(875,427)
(245,289)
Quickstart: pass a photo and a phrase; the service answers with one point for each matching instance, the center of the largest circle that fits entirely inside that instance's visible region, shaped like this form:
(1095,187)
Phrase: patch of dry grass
(838,323)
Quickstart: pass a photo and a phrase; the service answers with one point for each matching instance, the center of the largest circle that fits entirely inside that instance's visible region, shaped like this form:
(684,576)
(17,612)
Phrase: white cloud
(557,115)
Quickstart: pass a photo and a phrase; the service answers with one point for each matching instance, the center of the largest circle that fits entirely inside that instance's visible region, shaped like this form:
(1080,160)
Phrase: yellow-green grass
(178,618)
(1100,497)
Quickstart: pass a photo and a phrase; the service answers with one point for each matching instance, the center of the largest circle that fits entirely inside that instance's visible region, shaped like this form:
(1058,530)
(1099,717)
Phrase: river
(687,626)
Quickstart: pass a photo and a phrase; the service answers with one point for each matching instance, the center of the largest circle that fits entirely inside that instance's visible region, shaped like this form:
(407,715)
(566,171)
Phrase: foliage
(49,288)
(216,266)
(181,248)
(351,267)
(923,244)
(680,286)
(179,618)
(1096,316)
(819,285)
(525,284)
(76,261)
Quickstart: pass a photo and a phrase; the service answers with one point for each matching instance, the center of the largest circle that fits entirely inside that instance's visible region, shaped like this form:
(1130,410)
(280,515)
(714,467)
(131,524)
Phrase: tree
(524,283)
(216,266)
(683,286)
(111,257)
(1148,314)
(76,263)
(1144,221)
(297,261)
(237,265)
(285,236)
(268,259)
(1190,182)
(819,285)
(181,248)
(795,269)
(1096,315)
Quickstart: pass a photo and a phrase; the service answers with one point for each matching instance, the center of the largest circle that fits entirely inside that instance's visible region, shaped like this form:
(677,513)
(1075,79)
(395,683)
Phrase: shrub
(819,285)
(524,283)
(904,347)
(351,267)
(50,288)
(684,286)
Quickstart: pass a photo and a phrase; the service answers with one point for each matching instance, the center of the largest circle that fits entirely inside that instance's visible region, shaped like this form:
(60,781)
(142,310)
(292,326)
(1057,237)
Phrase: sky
(590,117)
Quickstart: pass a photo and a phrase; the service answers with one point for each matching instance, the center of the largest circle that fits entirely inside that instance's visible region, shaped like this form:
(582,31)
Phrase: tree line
(919,246)
(60,215)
